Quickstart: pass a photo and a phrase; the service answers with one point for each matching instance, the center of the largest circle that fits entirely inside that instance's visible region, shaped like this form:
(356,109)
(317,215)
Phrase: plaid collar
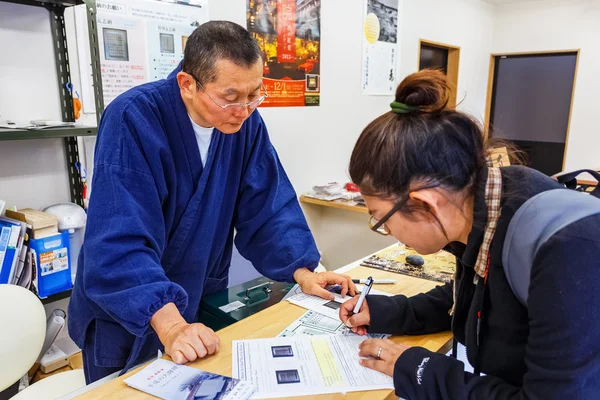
(469,253)
(493,198)
(487,209)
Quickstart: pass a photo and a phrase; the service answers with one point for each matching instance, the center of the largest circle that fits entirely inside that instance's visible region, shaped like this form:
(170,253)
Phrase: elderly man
(180,163)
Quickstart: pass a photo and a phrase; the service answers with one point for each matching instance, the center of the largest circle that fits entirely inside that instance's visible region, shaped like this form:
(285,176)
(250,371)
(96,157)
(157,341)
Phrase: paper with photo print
(304,366)
(167,380)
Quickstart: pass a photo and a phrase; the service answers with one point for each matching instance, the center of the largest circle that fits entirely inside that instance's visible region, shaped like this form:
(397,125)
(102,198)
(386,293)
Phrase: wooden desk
(270,322)
(339,204)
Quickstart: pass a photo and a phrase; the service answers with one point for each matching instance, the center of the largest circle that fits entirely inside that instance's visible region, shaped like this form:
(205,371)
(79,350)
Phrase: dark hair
(432,146)
(216,40)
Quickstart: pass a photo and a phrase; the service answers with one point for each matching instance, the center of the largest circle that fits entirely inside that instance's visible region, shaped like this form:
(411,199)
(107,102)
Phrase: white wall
(561,25)
(468,24)
(314,143)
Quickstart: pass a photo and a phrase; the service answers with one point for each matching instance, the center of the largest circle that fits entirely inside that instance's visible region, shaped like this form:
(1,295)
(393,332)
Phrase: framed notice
(139,41)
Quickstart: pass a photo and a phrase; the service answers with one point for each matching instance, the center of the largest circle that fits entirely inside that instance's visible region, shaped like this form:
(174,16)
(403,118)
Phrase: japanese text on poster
(380,47)
(139,41)
(289,35)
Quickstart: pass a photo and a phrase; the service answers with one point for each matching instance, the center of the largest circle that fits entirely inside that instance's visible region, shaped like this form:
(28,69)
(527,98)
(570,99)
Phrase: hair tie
(401,108)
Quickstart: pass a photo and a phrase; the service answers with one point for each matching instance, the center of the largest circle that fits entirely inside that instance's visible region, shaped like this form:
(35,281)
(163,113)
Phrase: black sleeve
(564,333)
(421,314)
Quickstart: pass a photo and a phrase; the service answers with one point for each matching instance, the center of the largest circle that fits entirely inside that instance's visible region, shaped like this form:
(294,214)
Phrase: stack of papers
(35,124)
(316,354)
(332,188)
(332,191)
(15,262)
(167,380)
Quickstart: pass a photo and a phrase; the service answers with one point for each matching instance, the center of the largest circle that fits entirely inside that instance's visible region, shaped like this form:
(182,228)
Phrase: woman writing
(422,170)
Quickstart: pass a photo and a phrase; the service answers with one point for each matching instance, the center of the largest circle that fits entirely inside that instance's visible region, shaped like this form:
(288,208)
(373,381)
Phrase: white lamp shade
(22,332)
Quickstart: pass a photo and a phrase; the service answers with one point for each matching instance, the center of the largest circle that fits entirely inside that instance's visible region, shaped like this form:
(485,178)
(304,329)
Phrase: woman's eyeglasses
(379,226)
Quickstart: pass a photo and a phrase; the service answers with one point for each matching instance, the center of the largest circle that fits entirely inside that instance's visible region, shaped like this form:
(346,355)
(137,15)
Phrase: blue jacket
(160,226)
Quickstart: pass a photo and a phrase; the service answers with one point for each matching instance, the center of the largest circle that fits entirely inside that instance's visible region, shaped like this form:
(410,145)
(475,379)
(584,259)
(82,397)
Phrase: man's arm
(125,239)
(271,229)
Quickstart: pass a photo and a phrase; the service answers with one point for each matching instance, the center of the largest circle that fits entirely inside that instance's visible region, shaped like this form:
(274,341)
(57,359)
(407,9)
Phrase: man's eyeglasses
(379,226)
(252,105)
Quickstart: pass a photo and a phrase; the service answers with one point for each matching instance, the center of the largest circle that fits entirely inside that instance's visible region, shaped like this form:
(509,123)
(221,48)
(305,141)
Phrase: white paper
(167,380)
(325,307)
(380,50)
(227,308)
(329,308)
(311,323)
(304,366)
(138,40)
(296,289)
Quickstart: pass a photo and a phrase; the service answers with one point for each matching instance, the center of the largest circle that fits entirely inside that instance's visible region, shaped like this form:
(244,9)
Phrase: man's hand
(183,342)
(357,322)
(314,283)
(388,355)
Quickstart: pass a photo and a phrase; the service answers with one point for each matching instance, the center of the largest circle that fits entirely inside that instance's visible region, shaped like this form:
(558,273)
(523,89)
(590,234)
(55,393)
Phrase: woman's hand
(357,322)
(385,354)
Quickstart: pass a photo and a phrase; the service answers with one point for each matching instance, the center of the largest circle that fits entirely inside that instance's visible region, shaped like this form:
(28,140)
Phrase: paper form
(326,307)
(329,308)
(311,323)
(304,366)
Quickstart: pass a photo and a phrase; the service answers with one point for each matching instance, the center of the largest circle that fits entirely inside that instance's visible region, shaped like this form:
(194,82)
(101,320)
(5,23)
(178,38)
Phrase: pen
(363,294)
(379,281)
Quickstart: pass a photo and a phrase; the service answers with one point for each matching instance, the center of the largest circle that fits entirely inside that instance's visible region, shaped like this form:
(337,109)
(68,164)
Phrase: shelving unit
(56,9)
(27,134)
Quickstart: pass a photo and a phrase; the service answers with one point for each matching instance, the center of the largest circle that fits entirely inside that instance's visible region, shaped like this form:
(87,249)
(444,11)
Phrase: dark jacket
(550,350)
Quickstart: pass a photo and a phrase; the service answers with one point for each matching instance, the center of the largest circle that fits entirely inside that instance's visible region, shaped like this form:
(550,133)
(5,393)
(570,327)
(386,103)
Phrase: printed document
(330,308)
(304,365)
(311,323)
(167,380)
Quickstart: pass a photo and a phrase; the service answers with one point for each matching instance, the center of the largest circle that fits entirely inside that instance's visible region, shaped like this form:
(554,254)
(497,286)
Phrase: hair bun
(427,89)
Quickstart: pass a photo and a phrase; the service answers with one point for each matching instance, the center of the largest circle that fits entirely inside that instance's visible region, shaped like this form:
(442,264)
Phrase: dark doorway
(531,105)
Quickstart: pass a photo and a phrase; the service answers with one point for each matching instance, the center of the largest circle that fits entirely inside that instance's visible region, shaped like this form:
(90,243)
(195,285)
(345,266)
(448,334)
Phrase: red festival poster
(289,35)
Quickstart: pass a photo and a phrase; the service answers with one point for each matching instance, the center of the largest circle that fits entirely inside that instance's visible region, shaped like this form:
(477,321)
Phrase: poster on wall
(139,41)
(289,35)
(380,47)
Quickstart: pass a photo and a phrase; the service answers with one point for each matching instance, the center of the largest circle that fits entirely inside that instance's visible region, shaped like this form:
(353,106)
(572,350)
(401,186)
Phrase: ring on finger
(379,353)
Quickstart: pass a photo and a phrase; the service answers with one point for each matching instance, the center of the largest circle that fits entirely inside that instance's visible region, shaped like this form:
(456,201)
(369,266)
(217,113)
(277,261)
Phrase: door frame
(452,69)
(490,88)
